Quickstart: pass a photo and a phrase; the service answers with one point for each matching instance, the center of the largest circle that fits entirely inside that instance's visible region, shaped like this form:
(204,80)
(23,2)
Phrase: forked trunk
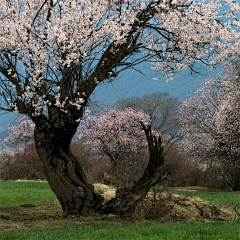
(65,175)
(127,199)
(68,181)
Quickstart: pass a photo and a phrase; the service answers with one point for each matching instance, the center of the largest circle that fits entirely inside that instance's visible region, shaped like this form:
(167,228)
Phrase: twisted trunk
(64,172)
(126,199)
(67,178)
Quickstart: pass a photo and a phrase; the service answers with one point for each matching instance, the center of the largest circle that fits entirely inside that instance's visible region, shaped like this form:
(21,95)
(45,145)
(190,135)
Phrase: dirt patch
(44,216)
(28,216)
(47,216)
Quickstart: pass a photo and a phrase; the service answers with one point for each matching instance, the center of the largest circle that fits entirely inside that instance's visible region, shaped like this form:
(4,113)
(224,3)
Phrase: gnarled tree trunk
(63,171)
(127,199)
(67,178)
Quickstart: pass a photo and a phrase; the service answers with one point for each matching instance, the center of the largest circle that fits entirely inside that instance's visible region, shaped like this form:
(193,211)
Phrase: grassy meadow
(16,193)
(35,214)
(139,231)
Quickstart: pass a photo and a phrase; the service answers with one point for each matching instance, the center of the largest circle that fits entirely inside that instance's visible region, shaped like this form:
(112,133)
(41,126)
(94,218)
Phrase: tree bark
(126,200)
(64,172)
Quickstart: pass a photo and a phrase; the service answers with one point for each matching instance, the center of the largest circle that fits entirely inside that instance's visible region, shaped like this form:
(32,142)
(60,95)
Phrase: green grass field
(13,194)
(139,231)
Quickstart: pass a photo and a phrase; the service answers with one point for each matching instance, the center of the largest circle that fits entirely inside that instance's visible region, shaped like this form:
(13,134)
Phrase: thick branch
(127,199)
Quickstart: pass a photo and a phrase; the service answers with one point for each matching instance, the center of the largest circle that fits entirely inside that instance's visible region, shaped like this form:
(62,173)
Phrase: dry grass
(166,206)
(106,191)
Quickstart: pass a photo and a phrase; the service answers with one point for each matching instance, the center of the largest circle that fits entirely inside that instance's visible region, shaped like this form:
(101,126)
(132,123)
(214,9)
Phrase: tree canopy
(20,133)
(54,53)
(210,119)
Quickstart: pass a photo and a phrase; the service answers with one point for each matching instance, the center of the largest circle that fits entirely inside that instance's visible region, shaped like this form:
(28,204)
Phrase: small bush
(23,164)
(156,207)
(180,171)
(94,166)
(221,177)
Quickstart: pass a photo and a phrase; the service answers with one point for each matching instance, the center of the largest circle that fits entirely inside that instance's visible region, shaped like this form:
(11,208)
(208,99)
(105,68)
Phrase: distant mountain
(131,83)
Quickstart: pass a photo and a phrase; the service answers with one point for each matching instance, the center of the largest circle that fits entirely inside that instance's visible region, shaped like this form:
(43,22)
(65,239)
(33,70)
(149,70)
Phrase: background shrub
(23,164)
(180,171)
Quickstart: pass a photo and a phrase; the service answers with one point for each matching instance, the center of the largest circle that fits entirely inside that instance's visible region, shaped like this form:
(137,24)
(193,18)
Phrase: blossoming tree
(116,134)
(162,110)
(118,137)
(211,123)
(54,53)
(21,133)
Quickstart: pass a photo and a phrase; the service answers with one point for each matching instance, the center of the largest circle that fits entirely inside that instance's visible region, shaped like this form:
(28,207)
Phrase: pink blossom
(21,133)
(211,119)
(117,134)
